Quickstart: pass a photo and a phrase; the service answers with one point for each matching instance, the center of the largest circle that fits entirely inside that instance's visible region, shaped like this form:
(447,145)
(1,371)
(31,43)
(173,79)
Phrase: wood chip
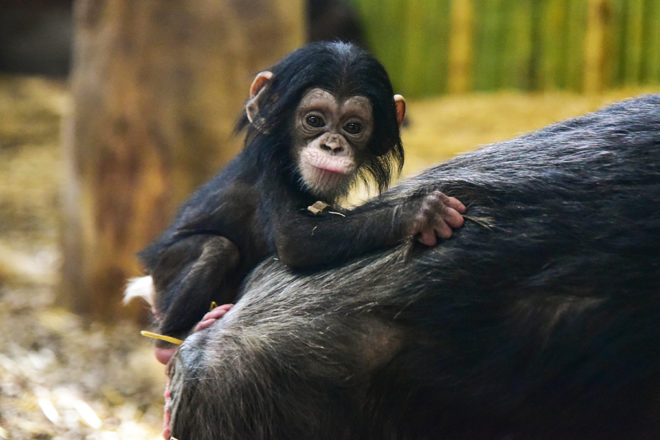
(318,207)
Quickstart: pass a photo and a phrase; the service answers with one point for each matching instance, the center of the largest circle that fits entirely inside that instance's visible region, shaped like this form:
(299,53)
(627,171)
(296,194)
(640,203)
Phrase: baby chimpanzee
(316,122)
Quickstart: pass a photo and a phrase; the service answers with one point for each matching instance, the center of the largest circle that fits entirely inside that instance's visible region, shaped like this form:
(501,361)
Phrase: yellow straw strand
(161,337)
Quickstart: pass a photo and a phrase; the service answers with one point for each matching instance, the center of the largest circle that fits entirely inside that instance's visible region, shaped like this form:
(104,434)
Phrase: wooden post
(156,88)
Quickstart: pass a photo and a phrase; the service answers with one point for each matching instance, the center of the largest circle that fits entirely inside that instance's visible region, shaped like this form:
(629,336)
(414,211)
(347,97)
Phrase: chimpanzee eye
(353,128)
(315,121)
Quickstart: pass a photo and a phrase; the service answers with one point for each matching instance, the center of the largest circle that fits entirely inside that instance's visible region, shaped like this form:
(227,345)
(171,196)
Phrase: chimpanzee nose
(332,146)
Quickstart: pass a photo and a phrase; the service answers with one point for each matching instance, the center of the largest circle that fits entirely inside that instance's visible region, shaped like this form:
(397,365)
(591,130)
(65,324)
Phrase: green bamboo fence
(581,45)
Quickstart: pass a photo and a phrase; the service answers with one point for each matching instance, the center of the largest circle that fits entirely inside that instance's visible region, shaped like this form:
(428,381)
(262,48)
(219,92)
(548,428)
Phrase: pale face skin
(330,138)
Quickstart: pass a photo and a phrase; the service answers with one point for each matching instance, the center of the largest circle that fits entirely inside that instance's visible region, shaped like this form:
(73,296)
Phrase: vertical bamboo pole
(488,50)
(459,77)
(436,79)
(652,42)
(554,42)
(416,52)
(634,40)
(515,73)
(596,45)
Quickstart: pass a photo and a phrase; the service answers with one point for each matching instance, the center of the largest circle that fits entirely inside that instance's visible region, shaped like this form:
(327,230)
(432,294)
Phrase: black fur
(540,319)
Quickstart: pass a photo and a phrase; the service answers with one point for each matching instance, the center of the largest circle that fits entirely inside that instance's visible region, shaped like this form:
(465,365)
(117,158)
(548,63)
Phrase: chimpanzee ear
(400,104)
(256,91)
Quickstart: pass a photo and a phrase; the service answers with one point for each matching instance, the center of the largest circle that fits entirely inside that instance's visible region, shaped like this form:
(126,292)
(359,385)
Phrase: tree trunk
(156,89)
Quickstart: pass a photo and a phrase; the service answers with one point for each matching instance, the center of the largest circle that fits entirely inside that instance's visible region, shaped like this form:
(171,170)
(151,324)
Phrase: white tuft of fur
(141,287)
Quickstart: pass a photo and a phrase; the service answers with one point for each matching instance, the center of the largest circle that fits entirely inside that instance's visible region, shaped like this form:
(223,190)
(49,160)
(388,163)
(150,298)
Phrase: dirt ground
(63,378)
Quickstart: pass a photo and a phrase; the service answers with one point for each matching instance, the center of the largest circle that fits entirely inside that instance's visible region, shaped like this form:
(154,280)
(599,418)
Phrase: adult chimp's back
(539,319)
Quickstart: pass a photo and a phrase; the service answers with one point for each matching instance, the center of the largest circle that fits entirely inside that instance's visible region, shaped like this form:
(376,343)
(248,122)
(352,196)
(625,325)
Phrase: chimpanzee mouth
(332,169)
(322,163)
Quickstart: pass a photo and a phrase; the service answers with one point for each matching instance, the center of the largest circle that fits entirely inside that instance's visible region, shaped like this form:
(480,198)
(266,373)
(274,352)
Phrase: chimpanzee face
(330,135)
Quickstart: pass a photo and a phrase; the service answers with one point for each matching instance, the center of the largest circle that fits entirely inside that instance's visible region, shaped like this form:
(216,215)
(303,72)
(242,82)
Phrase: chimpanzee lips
(331,168)
(326,178)
(326,162)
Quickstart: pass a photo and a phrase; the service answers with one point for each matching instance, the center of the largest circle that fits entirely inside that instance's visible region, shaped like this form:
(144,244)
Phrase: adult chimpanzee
(540,319)
(322,117)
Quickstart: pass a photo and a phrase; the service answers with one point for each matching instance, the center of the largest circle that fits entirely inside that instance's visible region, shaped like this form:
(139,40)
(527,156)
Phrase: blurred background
(111,112)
